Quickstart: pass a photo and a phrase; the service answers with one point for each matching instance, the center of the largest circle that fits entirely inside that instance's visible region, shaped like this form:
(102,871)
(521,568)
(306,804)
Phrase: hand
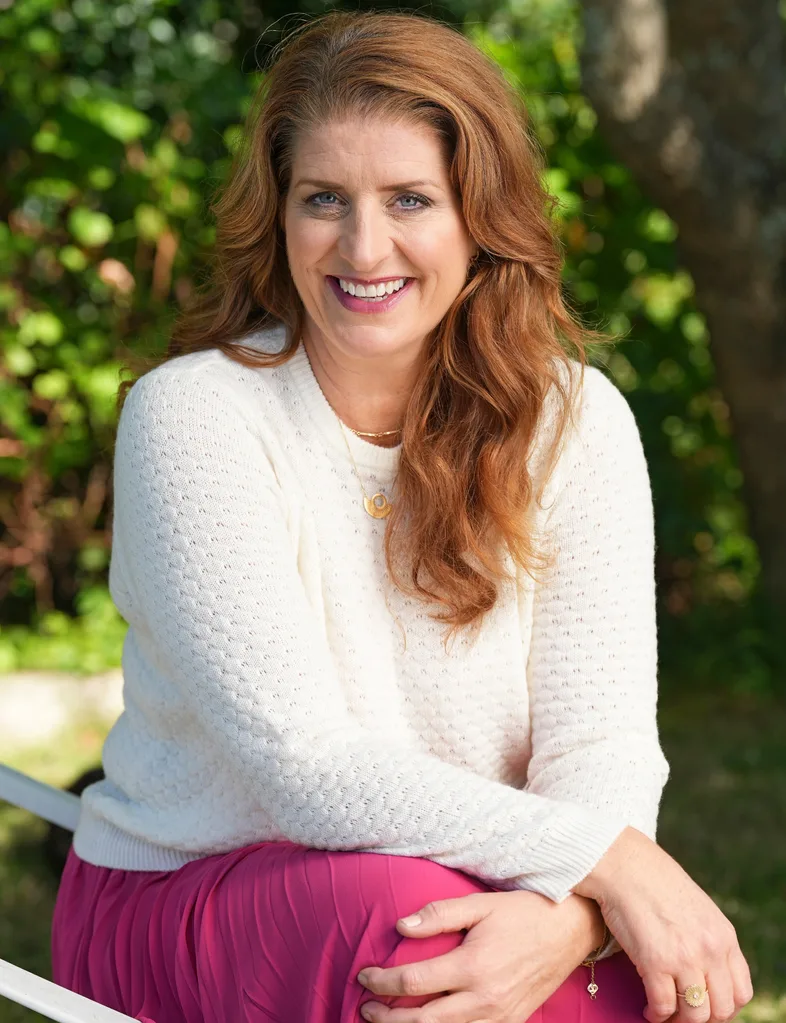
(672,931)
(520,947)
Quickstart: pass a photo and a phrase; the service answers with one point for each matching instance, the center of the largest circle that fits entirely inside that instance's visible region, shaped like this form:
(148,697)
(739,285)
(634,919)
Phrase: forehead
(394,150)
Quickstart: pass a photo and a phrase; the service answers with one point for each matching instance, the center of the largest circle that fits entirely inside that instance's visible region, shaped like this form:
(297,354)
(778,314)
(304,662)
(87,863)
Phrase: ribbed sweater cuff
(574,841)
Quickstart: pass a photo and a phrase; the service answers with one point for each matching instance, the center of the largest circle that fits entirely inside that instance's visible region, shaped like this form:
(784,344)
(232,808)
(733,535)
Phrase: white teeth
(372,292)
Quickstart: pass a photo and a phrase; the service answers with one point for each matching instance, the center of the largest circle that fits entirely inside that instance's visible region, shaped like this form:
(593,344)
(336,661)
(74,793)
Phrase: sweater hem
(103,844)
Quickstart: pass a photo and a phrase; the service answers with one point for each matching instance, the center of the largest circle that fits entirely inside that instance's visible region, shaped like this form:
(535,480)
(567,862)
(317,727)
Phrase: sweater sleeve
(592,671)
(211,572)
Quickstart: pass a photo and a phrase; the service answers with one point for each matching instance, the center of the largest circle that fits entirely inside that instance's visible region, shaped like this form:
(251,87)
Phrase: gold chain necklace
(377,506)
(367,433)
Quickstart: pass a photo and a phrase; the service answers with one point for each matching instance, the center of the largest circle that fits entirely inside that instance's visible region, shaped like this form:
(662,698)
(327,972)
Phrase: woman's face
(372,202)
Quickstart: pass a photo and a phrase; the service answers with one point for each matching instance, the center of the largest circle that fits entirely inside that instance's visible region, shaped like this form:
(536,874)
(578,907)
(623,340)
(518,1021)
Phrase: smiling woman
(385,547)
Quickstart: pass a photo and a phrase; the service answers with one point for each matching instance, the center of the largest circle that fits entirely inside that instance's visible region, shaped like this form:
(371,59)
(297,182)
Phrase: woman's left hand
(520,947)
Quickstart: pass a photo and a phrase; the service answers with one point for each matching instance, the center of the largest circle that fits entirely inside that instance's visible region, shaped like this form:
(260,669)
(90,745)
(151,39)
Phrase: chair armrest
(43,800)
(53,1001)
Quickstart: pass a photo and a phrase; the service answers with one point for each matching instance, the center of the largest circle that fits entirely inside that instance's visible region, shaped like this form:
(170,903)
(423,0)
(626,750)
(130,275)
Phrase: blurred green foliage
(119,123)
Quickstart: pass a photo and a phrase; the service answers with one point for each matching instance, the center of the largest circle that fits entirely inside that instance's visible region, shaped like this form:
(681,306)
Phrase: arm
(219,605)
(593,659)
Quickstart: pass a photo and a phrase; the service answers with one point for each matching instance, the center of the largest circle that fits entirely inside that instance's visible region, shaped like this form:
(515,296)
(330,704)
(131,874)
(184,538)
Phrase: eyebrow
(402,186)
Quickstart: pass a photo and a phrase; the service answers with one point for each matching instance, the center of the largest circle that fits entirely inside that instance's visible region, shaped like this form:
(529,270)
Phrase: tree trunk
(690,96)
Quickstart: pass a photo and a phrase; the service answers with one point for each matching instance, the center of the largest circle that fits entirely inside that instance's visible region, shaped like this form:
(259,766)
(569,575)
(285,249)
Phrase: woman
(385,549)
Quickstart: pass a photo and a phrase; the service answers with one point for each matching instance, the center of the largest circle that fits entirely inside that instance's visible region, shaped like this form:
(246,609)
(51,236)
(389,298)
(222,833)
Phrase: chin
(367,341)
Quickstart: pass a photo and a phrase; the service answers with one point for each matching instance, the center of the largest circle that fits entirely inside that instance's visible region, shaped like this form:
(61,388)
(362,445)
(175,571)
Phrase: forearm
(620,858)
(590,926)
(599,882)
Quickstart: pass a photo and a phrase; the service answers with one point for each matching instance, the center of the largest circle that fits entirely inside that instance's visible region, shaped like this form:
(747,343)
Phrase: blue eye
(411,195)
(421,199)
(313,197)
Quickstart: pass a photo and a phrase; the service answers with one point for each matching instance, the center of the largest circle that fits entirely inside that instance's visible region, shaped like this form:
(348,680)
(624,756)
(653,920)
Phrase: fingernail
(412,921)
(363,978)
(365,1012)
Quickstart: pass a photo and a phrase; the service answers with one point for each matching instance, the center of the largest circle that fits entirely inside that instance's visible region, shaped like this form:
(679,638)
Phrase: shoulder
(203,384)
(599,415)
(600,412)
(601,450)
(175,394)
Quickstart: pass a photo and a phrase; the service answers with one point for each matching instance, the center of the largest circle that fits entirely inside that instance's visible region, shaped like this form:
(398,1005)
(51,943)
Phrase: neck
(367,394)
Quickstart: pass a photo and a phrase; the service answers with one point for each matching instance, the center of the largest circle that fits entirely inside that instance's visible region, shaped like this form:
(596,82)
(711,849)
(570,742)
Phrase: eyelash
(407,195)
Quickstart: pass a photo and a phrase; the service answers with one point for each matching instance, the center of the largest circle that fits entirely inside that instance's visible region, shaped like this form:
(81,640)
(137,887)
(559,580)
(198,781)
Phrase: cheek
(445,253)
(306,243)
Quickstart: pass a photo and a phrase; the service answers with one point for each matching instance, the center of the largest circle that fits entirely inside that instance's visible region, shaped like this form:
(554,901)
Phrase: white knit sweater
(269,693)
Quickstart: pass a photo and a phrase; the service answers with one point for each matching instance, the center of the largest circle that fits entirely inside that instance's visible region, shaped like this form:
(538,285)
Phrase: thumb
(445,915)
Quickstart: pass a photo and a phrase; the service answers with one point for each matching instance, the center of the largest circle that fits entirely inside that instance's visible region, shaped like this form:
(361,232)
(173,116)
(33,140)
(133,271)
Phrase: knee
(410,884)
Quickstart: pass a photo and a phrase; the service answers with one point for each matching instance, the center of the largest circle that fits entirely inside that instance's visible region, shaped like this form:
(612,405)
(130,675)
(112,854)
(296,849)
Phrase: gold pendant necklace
(377,506)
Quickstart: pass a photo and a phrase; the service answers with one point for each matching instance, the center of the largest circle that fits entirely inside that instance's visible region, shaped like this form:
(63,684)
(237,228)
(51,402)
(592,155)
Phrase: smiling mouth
(385,285)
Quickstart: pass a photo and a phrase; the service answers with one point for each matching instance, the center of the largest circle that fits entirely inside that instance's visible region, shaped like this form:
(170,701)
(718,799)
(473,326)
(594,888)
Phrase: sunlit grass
(722,818)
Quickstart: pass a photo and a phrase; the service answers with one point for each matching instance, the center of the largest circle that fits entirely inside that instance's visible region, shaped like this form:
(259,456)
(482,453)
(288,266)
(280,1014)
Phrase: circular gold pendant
(378,506)
(695,995)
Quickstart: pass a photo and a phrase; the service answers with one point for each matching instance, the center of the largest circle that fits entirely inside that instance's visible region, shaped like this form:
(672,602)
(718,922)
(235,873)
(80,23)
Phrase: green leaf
(101,177)
(72,258)
(60,189)
(90,227)
(19,360)
(54,384)
(41,326)
(150,222)
(659,227)
(118,120)
(42,40)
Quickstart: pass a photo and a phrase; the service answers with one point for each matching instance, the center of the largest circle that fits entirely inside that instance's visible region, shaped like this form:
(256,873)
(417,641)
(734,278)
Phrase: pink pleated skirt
(275,932)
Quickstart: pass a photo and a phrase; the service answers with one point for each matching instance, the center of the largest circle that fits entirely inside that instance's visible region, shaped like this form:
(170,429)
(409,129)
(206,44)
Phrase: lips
(359,305)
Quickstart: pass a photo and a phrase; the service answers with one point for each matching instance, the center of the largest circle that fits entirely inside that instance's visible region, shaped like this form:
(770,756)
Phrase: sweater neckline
(383,461)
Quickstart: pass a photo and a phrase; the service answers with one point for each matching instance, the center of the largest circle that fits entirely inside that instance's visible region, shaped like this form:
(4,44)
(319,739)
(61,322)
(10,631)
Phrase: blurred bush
(119,123)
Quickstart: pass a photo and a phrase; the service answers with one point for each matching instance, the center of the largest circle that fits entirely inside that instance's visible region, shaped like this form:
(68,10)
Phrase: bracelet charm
(591,959)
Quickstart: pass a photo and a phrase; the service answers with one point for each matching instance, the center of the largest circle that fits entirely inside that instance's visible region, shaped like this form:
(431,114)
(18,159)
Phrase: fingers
(721,995)
(661,997)
(728,988)
(427,977)
(718,1005)
(741,978)
(457,1008)
(447,915)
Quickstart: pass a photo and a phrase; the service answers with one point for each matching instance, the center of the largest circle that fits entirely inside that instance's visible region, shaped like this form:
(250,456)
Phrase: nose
(366,238)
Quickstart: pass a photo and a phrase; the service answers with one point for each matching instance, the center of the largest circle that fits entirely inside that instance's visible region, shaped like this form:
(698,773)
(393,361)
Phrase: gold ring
(694,995)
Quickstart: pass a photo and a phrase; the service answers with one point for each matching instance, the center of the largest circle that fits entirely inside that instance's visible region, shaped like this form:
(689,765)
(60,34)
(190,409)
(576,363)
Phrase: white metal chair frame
(19,985)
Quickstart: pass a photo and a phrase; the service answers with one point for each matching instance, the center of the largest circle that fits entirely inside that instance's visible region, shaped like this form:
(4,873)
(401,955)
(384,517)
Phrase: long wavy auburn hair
(464,491)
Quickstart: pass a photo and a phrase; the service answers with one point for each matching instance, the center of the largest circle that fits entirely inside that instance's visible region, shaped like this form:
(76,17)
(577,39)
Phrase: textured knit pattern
(277,687)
